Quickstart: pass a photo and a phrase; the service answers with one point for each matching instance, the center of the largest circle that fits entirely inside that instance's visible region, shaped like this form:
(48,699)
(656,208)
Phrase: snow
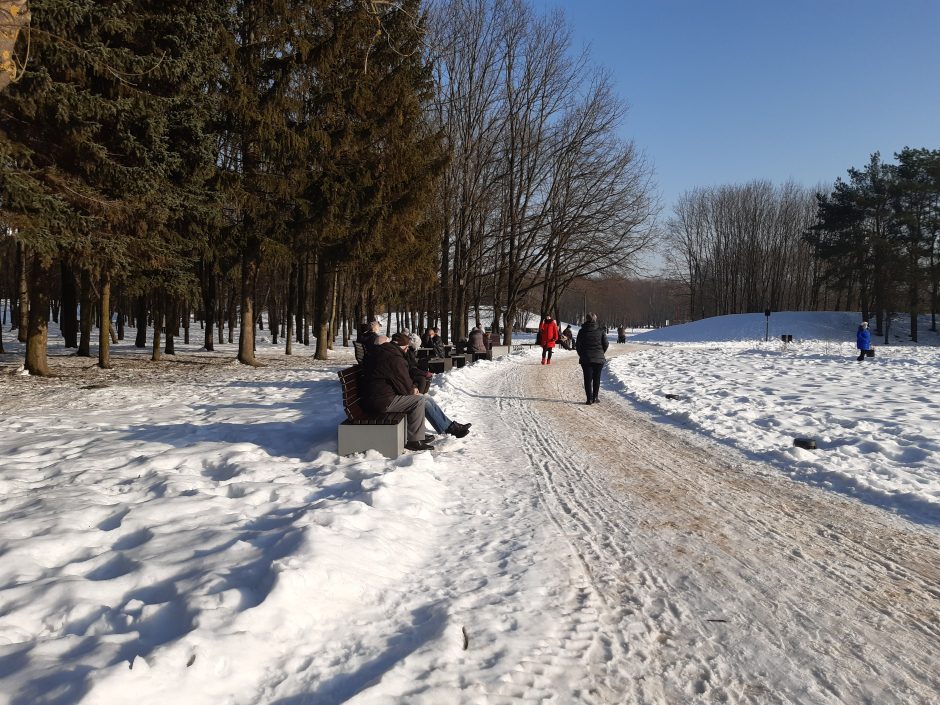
(875,423)
(184,531)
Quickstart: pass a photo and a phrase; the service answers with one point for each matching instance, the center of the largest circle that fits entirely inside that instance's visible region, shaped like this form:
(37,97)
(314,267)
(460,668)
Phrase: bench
(360,350)
(363,430)
(498,351)
(436,364)
(458,360)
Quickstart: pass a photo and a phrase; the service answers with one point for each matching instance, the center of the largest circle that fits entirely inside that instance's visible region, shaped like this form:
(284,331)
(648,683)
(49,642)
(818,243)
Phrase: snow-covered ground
(184,532)
(876,423)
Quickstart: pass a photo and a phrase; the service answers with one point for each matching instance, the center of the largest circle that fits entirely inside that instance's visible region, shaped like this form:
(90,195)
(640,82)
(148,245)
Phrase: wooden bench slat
(355,413)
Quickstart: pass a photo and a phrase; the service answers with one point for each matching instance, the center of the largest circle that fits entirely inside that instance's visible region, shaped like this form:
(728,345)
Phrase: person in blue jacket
(863,341)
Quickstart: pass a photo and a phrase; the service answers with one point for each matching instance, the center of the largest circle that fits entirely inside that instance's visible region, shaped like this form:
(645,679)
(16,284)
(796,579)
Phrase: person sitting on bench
(369,333)
(476,343)
(432,340)
(388,388)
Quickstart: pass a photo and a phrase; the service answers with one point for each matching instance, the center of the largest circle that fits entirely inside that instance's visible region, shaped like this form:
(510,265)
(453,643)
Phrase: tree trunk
(251,256)
(169,347)
(157,327)
(140,318)
(37,362)
(84,343)
(22,263)
(321,311)
(104,332)
(274,318)
(291,300)
(68,320)
(210,291)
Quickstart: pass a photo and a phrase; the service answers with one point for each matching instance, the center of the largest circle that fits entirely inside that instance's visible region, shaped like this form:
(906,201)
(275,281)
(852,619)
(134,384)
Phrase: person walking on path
(548,336)
(863,341)
(389,389)
(591,346)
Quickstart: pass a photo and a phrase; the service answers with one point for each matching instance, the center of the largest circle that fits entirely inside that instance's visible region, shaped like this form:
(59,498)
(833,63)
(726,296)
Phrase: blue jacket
(863,339)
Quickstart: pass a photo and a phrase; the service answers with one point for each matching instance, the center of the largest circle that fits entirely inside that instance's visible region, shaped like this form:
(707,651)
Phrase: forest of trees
(318,162)
(872,244)
(305,165)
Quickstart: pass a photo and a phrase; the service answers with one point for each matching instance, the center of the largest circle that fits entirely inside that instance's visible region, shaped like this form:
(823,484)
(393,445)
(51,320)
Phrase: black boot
(418,445)
(458,429)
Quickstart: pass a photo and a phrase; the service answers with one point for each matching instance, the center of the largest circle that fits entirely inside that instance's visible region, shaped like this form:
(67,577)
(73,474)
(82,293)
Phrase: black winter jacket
(434,343)
(591,344)
(385,376)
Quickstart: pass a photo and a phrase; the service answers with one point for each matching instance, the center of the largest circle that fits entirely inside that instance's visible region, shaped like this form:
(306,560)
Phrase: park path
(700,576)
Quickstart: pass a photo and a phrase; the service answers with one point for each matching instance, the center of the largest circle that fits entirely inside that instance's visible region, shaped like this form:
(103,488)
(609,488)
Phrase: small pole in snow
(767,329)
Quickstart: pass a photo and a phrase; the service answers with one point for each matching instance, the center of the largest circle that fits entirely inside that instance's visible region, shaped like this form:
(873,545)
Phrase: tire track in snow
(580,504)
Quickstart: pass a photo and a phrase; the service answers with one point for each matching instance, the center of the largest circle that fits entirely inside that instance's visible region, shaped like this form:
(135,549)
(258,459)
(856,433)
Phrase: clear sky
(726,91)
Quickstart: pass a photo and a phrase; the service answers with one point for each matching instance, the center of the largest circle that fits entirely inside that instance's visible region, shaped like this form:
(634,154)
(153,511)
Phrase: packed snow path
(696,578)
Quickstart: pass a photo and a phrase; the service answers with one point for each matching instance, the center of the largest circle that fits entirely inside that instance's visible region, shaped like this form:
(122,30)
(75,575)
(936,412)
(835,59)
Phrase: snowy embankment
(876,423)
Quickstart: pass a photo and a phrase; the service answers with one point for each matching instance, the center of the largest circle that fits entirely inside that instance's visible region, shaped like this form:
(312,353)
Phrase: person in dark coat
(476,342)
(567,338)
(432,340)
(863,341)
(591,346)
(369,334)
(420,378)
(389,388)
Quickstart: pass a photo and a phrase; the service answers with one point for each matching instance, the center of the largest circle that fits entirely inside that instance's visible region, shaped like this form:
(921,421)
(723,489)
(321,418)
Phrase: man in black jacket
(389,388)
(432,340)
(591,346)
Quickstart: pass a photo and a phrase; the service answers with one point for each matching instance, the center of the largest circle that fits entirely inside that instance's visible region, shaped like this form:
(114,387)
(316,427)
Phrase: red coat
(548,333)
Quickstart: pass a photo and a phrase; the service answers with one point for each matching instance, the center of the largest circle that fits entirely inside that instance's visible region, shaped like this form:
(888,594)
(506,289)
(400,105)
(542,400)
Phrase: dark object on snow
(786,338)
(673,396)
(807,443)
(466,639)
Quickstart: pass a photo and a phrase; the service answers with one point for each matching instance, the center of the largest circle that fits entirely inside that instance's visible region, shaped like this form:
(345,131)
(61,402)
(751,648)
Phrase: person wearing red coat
(548,336)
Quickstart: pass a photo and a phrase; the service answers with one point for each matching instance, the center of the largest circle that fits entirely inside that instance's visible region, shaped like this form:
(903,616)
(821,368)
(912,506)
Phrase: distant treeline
(871,244)
(318,161)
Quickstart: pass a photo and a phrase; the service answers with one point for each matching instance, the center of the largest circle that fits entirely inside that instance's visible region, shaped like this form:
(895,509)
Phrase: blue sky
(724,91)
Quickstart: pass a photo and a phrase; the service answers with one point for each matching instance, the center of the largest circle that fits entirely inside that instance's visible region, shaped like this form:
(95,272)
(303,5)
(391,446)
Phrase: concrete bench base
(458,360)
(498,351)
(388,439)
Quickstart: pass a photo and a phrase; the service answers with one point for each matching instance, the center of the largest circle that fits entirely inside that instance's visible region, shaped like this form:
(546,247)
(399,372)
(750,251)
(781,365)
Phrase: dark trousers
(592,378)
(862,354)
(547,352)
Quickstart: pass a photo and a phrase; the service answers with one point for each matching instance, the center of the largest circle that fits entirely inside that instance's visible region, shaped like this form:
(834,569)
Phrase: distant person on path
(863,341)
(389,389)
(548,336)
(621,334)
(591,346)
(567,338)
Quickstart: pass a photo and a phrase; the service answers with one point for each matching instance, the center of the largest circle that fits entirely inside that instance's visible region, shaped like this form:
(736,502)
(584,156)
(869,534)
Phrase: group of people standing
(591,344)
